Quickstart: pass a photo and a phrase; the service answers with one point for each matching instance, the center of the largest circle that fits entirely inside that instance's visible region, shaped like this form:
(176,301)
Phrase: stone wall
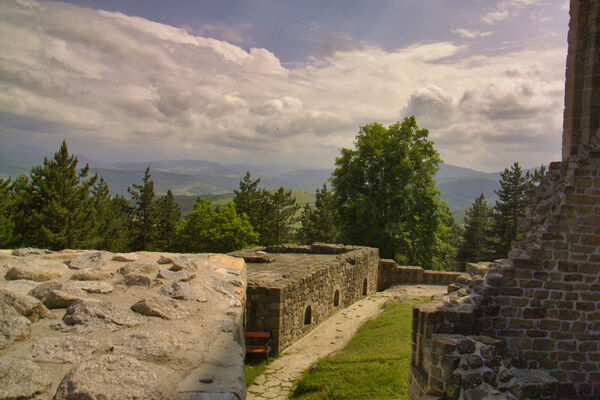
(544,301)
(391,274)
(92,324)
(295,288)
(450,360)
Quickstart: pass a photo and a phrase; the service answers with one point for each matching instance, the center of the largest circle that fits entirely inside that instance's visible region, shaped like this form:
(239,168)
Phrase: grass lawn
(255,366)
(374,365)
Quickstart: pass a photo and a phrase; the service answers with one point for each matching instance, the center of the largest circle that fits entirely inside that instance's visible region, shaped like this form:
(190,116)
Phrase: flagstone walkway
(278,380)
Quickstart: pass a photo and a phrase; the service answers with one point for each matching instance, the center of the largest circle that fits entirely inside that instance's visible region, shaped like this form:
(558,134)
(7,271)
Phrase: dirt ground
(277,381)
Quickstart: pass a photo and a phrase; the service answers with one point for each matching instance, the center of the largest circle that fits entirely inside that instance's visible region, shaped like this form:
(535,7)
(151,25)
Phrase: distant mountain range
(459,186)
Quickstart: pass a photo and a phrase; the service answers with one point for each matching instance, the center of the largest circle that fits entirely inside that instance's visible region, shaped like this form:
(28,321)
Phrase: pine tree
(283,216)
(318,223)
(476,239)
(7,223)
(144,225)
(60,213)
(113,219)
(168,217)
(510,208)
(534,179)
(246,198)
(20,210)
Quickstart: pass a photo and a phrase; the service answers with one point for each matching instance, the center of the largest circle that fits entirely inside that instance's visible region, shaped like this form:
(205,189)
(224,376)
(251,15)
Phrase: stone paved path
(278,380)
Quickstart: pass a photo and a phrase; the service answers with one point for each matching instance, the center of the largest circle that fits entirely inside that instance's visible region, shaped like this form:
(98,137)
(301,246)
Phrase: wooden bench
(264,343)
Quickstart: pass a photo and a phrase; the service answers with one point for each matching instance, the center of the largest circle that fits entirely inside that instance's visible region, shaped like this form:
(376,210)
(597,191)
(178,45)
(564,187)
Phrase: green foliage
(144,227)
(374,365)
(168,217)
(7,223)
(283,216)
(448,241)
(476,244)
(272,215)
(219,230)
(512,201)
(318,223)
(60,215)
(112,217)
(385,193)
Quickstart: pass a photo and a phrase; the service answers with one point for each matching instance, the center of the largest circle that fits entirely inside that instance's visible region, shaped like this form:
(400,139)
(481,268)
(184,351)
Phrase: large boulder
(110,378)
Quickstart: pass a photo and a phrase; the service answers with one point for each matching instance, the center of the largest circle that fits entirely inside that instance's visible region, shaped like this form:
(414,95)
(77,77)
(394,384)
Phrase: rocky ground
(98,325)
(277,381)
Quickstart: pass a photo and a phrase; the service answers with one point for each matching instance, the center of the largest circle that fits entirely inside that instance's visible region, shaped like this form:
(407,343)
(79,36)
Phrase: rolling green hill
(189,179)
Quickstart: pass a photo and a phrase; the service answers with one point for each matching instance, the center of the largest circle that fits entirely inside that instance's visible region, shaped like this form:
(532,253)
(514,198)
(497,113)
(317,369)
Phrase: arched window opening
(364,292)
(307,316)
(336,298)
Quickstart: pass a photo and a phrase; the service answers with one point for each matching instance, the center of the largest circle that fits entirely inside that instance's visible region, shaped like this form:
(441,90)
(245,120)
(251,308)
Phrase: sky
(281,81)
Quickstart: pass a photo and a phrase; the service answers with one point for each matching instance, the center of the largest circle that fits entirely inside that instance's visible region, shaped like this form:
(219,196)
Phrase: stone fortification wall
(292,289)
(546,299)
(391,274)
(450,360)
(92,324)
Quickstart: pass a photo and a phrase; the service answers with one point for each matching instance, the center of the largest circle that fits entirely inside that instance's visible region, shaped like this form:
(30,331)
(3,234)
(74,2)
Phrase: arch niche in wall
(336,298)
(307,316)
(364,291)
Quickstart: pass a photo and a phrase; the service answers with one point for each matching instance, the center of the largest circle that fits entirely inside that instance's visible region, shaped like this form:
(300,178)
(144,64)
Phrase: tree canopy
(385,192)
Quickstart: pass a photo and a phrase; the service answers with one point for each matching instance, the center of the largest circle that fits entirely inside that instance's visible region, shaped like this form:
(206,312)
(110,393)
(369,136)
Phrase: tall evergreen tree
(60,213)
(246,198)
(476,244)
(113,219)
(20,211)
(144,226)
(318,223)
(510,207)
(284,215)
(7,223)
(168,217)
(262,219)
(534,179)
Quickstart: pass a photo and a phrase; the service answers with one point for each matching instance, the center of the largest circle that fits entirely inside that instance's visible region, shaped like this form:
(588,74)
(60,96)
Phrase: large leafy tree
(206,229)
(60,214)
(318,223)
(513,199)
(385,192)
(476,244)
(144,226)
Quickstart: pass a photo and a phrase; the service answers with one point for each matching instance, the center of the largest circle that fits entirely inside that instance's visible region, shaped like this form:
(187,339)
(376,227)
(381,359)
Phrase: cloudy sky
(282,81)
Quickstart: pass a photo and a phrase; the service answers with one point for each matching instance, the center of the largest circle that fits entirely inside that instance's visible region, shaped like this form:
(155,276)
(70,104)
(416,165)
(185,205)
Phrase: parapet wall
(292,289)
(391,274)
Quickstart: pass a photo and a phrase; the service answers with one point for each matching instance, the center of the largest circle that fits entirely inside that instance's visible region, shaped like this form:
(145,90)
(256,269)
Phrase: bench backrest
(257,335)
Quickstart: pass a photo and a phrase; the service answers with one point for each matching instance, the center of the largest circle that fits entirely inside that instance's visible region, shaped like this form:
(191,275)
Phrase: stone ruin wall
(92,324)
(281,310)
(543,303)
(391,274)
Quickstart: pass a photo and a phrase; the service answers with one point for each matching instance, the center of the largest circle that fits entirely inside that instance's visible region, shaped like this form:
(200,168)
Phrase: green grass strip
(374,365)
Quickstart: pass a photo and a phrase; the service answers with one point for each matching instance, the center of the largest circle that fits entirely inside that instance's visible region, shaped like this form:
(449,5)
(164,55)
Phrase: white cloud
(137,86)
(507,9)
(470,34)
